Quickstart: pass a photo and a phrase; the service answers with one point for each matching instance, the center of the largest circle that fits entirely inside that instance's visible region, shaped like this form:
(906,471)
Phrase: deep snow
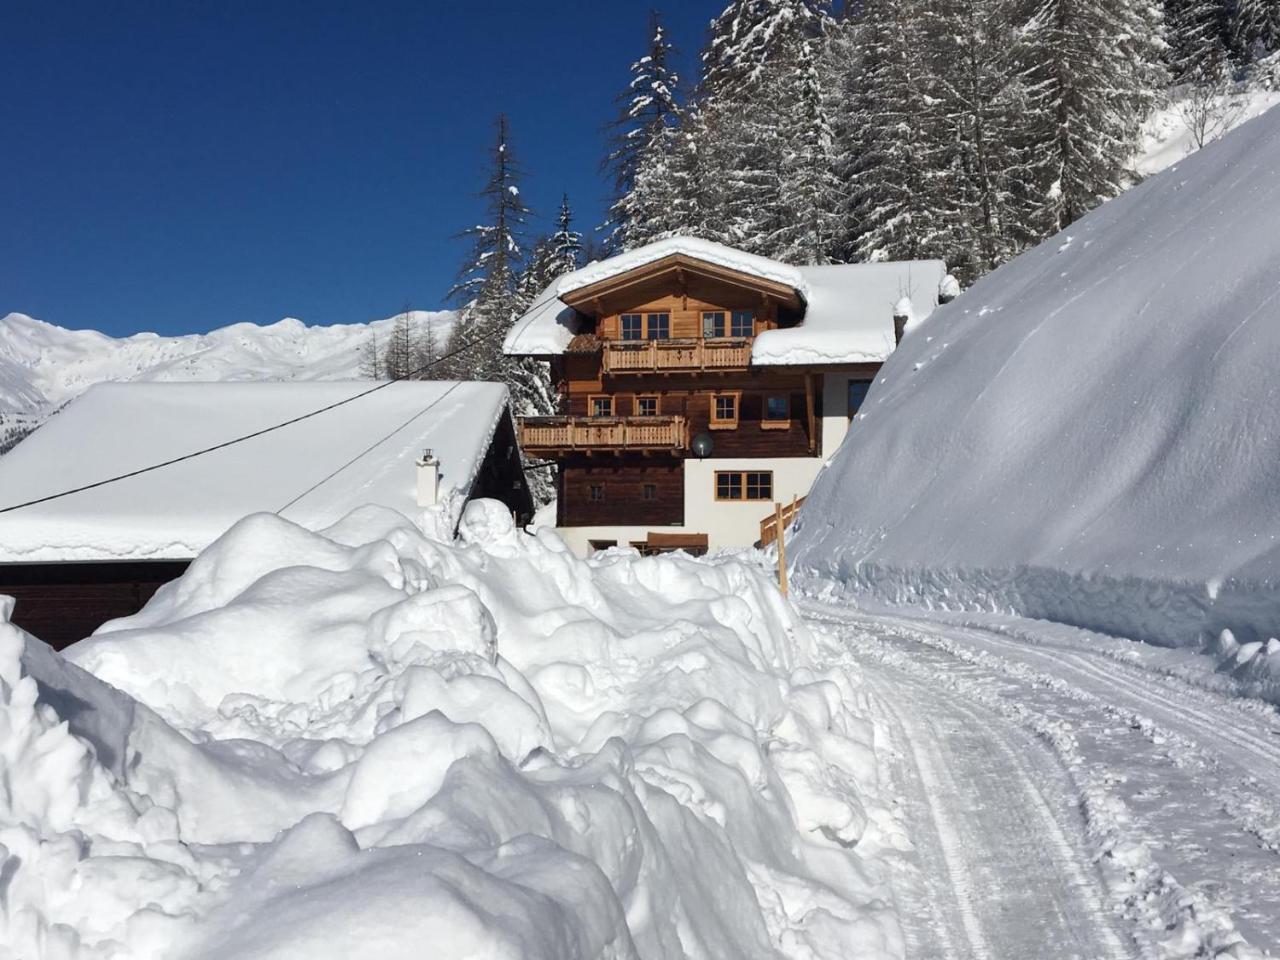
(1090,434)
(357,742)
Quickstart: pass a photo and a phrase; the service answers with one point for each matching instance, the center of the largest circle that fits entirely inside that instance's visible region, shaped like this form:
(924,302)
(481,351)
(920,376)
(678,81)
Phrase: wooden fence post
(782,547)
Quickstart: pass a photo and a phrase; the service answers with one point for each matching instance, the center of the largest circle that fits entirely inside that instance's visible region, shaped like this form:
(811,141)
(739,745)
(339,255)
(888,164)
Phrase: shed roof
(313,472)
(848,313)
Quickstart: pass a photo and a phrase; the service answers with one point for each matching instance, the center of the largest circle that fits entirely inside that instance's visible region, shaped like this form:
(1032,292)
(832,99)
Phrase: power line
(257,433)
(326,479)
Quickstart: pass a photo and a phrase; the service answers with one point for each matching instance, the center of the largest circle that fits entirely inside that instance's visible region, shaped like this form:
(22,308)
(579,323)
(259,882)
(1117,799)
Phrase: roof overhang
(677,267)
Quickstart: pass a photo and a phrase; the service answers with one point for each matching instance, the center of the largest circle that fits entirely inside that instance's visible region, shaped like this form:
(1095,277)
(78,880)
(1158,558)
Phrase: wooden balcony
(669,356)
(549,435)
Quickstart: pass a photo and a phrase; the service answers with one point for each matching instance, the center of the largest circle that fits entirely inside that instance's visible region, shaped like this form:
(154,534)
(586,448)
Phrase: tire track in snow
(992,817)
(1177,823)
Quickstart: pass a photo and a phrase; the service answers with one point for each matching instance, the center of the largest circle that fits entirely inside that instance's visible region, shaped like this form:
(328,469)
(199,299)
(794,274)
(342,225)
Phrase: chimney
(428,479)
(901,316)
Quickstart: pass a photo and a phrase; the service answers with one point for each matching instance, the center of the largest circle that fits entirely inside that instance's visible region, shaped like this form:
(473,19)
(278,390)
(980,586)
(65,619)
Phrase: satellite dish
(703,446)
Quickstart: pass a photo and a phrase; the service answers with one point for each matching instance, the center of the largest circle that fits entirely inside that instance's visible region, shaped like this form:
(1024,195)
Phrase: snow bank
(1090,434)
(355,742)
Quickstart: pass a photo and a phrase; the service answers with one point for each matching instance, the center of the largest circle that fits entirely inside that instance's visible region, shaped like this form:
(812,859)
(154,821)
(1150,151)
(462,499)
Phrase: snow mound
(1090,434)
(43,366)
(357,741)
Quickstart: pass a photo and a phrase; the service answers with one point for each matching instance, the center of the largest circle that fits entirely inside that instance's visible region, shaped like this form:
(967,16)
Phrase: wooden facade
(665,357)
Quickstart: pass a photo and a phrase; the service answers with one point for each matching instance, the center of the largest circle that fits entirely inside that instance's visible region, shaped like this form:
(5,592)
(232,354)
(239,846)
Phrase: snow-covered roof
(848,317)
(850,311)
(321,468)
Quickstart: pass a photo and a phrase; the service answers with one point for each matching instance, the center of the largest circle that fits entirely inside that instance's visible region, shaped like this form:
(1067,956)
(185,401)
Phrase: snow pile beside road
(1090,434)
(491,747)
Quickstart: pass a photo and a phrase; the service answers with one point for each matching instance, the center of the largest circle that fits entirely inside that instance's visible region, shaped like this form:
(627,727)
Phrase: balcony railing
(543,434)
(649,356)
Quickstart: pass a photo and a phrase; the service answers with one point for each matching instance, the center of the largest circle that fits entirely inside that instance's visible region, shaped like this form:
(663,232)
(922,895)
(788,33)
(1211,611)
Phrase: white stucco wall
(737,524)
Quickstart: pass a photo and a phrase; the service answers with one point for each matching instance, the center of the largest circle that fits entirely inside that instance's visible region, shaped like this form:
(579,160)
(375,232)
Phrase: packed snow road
(1066,799)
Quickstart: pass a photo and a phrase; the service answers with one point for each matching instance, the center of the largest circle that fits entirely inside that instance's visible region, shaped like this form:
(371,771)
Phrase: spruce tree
(1093,67)
(649,114)
(566,243)
(894,210)
(1256,29)
(487,281)
(983,180)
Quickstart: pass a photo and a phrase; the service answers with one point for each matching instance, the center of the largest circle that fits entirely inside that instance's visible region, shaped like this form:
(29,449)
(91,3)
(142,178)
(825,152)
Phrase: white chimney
(428,479)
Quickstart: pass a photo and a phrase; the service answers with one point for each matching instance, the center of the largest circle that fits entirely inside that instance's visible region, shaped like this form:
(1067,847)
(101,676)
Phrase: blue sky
(177,166)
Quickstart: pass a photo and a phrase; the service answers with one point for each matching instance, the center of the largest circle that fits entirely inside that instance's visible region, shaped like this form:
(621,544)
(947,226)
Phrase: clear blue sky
(177,166)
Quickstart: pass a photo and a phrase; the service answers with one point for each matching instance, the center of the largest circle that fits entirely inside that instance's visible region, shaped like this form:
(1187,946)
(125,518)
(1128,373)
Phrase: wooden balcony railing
(649,356)
(543,434)
(769,525)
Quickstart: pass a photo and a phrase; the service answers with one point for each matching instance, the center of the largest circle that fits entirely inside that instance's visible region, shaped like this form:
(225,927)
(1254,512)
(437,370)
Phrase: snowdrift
(1090,434)
(356,742)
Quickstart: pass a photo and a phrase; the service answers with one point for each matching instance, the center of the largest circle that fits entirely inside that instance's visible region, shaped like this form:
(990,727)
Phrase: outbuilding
(310,452)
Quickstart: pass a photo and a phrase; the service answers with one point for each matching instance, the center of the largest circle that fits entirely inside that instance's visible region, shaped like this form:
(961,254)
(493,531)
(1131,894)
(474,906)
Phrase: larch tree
(399,359)
(370,360)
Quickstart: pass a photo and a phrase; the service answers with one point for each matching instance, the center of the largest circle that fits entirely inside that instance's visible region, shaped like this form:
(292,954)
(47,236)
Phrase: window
(728,486)
(744,322)
(857,395)
(602,406)
(646,406)
(632,326)
(724,411)
(596,492)
(713,324)
(749,485)
(659,326)
(651,491)
(777,412)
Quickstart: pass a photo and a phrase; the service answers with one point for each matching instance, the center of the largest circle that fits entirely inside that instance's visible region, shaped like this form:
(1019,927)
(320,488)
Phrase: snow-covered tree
(1199,35)
(1092,68)
(487,282)
(1256,28)
(566,243)
(747,36)
(649,114)
(893,210)
(808,191)
(983,181)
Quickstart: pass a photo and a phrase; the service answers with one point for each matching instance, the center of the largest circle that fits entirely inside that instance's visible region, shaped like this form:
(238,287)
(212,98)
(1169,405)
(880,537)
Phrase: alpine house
(700,385)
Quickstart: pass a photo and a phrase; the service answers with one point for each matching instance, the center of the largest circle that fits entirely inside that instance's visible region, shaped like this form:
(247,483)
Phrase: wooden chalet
(700,384)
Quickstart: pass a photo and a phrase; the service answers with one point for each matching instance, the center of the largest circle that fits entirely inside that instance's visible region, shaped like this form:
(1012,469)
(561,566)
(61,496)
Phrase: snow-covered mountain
(42,366)
(1091,433)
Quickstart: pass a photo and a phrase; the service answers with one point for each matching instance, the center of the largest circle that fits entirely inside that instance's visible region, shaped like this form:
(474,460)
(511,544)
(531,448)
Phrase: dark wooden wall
(501,476)
(64,602)
(623,481)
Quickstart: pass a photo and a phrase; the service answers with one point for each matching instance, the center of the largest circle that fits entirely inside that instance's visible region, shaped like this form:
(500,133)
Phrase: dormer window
(744,322)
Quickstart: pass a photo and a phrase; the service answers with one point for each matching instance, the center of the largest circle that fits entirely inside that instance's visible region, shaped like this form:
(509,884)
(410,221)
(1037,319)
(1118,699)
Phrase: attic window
(632,326)
(744,322)
(713,324)
(659,326)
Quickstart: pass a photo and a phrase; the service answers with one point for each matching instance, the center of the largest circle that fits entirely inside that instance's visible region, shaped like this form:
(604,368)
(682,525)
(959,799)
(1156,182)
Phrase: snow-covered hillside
(1091,433)
(42,366)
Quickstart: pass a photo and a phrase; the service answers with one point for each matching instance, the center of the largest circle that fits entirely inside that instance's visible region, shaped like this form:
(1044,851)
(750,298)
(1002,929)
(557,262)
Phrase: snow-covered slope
(1092,432)
(42,366)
